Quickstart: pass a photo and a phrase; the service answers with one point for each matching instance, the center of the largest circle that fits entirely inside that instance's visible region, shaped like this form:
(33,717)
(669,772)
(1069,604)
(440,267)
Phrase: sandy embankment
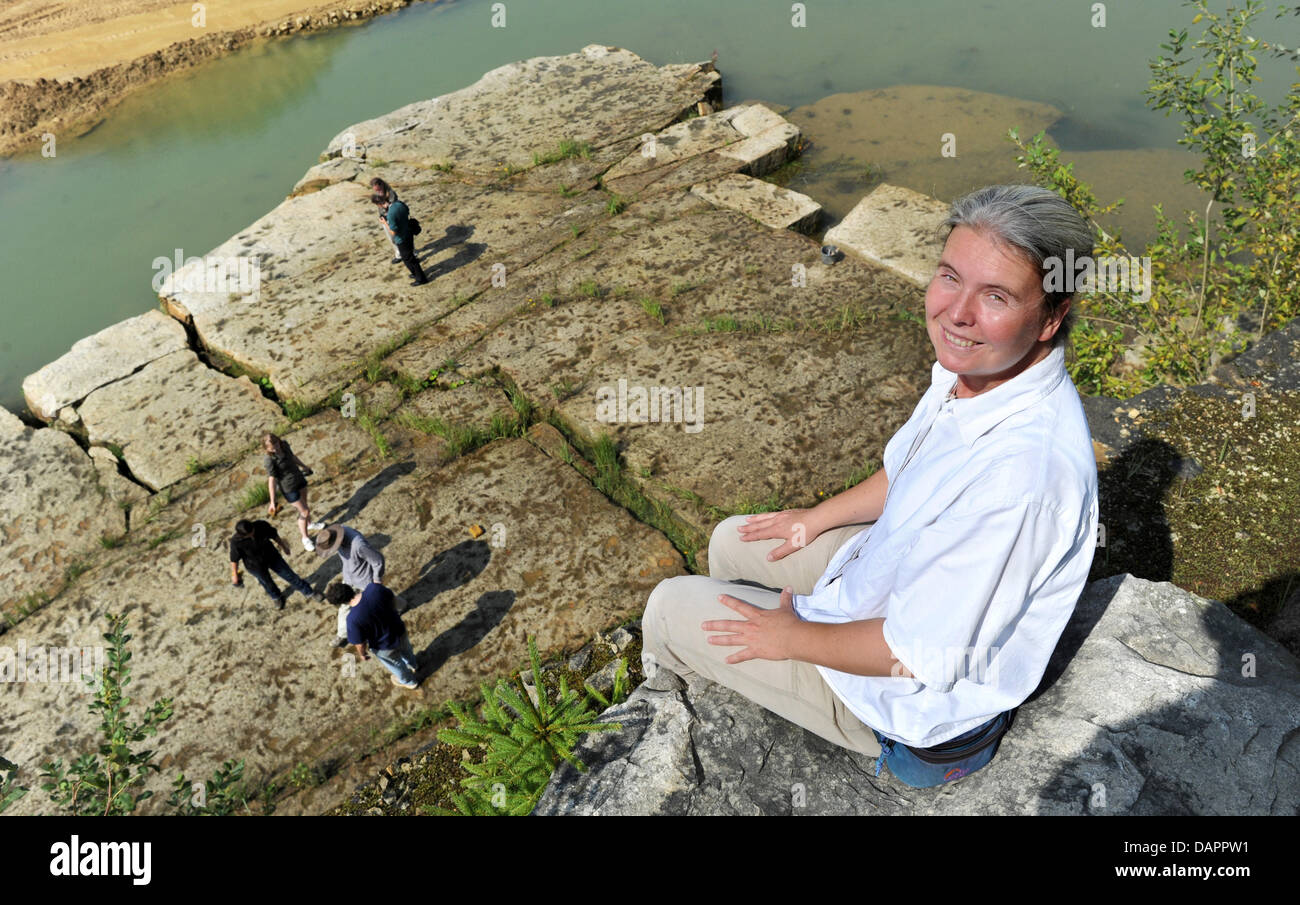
(63,62)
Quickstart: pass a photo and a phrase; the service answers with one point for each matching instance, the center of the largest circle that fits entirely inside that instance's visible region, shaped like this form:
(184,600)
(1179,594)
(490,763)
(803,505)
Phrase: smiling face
(984,312)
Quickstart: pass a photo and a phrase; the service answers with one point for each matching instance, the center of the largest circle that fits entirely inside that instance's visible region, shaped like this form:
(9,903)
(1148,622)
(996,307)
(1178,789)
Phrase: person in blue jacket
(397,217)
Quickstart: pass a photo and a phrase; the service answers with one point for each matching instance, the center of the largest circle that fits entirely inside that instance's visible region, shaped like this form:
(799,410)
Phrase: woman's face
(984,312)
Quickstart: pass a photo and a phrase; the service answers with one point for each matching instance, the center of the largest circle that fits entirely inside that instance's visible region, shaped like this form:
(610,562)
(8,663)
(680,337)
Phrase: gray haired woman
(909,616)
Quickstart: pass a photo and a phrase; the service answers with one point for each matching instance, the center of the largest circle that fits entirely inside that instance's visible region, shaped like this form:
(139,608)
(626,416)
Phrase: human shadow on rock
(1134,536)
(365,493)
(449,569)
(487,614)
(466,254)
(454,235)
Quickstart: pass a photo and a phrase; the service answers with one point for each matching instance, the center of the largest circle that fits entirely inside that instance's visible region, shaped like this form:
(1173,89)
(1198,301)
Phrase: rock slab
(1147,707)
(769,204)
(173,409)
(111,354)
(895,228)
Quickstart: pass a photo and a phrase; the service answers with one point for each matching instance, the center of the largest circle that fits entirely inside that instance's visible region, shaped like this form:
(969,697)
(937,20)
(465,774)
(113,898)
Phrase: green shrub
(110,781)
(523,742)
(10,791)
(1236,258)
(220,796)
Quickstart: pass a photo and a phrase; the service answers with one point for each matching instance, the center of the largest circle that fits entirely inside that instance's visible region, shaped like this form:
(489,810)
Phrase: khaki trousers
(792,689)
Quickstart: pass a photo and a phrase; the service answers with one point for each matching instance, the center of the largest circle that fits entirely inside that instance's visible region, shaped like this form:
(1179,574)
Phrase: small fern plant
(523,742)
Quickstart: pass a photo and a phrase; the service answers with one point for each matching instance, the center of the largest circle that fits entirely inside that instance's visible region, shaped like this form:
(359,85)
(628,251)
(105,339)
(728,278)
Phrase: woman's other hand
(790,525)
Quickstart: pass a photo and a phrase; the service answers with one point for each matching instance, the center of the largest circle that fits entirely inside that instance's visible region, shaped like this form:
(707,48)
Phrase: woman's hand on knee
(761,632)
(790,525)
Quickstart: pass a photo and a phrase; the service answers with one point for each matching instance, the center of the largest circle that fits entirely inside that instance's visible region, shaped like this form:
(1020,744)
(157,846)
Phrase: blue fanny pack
(945,762)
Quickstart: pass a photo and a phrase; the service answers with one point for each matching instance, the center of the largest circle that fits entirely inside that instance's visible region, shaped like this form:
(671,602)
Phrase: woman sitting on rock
(914,639)
(286,470)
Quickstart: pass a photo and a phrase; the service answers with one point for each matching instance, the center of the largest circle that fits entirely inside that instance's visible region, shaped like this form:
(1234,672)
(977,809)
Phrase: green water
(190,162)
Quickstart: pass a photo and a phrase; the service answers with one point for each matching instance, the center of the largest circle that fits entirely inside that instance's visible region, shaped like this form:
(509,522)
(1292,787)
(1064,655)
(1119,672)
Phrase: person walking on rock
(362,565)
(286,470)
(373,624)
(379,189)
(254,544)
(397,216)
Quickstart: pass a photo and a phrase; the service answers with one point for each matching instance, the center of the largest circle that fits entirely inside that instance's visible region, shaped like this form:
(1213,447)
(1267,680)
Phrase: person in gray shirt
(362,565)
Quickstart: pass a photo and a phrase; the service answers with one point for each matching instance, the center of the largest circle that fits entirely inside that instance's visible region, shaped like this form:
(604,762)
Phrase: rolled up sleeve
(963,587)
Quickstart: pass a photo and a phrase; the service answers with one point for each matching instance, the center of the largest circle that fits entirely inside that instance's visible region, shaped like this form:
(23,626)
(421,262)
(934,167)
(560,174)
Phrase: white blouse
(978,558)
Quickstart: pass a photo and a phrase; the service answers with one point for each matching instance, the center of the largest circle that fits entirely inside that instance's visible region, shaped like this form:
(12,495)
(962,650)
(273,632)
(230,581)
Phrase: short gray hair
(1034,221)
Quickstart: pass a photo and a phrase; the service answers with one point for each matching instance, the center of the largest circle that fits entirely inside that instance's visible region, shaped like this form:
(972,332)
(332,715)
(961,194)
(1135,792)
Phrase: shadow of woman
(1134,532)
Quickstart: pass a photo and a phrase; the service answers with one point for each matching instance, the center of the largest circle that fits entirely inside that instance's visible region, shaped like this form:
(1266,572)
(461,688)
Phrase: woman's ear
(1053,321)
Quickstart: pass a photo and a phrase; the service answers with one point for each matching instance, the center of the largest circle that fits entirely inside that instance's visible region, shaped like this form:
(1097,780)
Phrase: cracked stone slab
(559,562)
(761,415)
(747,139)
(335,447)
(679,142)
(1110,731)
(762,153)
(596,95)
(318,315)
(895,228)
(55,505)
(174,408)
(769,204)
(99,359)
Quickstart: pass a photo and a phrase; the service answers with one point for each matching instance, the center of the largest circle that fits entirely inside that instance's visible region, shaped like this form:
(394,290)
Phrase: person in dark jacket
(397,217)
(373,625)
(254,543)
(381,189)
